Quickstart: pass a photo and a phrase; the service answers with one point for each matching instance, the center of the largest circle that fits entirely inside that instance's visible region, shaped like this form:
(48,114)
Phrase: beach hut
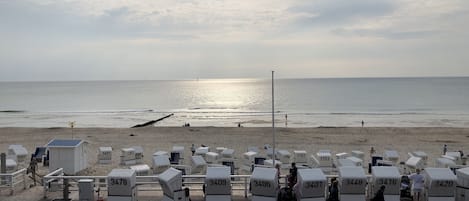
(352,183)
(18,153)
(160,164)
(391,155)
(198,164)
(171,183)
(300,157)
(138,154)
(141,170)
(122,185)
(390,178)
(264,184)
(67,154)
(105,155)
(128,156)
(211,157)
(218,184)
(440,184)
(311,185)
(462,188)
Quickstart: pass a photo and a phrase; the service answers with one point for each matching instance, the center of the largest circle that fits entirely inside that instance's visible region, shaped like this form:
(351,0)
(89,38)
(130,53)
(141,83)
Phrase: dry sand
(429,140)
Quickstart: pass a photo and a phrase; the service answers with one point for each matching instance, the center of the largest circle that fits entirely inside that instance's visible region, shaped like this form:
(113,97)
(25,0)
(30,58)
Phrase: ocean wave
(106,111)
(369,113)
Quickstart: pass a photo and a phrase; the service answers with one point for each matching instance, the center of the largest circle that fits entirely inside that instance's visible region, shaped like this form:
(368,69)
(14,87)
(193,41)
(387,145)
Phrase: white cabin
(70,155)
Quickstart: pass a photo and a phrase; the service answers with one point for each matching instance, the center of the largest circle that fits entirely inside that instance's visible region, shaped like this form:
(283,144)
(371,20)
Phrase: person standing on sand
(193,149)
(417,184)
(286,120)
(363,123)
(445,149)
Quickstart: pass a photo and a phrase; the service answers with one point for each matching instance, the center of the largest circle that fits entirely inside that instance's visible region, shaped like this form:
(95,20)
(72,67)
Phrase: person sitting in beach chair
(333,190)
(379,196)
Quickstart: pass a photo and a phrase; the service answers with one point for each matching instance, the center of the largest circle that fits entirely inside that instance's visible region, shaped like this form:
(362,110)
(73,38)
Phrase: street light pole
(273,121)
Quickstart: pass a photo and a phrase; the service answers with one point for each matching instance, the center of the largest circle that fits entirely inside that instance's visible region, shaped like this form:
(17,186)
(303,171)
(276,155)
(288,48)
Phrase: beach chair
(39,153)
(352,182)
(300,157)
(264,184)
(122,185)
(105,155)
(218,184)
(198,165)
(18,153)
(390,178)
(311,185)
(141,170)
(462,188)
(440,184)
(171,183)
(160,164)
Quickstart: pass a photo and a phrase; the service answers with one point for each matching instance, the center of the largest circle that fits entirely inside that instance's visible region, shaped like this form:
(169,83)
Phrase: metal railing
(12,180)
(239,183)
(149,183)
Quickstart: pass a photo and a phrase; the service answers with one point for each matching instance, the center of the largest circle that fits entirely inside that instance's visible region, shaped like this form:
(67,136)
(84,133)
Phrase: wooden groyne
(152,121)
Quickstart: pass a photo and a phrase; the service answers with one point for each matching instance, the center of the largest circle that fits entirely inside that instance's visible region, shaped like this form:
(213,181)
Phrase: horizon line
(236,78)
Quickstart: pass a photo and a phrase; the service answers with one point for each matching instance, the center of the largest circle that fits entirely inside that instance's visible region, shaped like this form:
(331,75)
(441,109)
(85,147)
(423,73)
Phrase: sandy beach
(152,139)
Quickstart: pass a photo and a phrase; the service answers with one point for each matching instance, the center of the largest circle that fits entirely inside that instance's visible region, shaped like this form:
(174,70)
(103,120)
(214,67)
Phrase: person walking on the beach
(193,149)
(417,184)
(445,148)
(363,123)
(286,120)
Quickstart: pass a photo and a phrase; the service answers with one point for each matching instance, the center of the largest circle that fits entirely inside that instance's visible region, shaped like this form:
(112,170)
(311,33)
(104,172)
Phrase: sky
(61,40)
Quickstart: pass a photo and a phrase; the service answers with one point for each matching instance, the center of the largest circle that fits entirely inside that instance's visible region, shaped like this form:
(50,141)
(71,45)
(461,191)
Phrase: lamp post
(273,121)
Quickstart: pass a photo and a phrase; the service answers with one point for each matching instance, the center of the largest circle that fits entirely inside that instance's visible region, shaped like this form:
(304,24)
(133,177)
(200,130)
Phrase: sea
(318,102)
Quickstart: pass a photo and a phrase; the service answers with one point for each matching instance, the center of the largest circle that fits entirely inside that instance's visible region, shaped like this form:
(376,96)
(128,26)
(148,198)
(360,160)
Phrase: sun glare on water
(226,94)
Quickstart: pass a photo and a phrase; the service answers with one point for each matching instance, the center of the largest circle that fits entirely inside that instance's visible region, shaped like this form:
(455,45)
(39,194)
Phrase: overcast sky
(189,39)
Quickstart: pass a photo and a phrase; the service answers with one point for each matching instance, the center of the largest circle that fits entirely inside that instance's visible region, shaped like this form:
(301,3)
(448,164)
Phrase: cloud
(167,39)
(340,12)
(385,33)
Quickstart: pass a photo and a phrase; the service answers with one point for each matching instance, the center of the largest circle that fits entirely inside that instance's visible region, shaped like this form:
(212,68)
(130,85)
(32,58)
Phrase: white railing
(12,180)
(147,183)
(150,183)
